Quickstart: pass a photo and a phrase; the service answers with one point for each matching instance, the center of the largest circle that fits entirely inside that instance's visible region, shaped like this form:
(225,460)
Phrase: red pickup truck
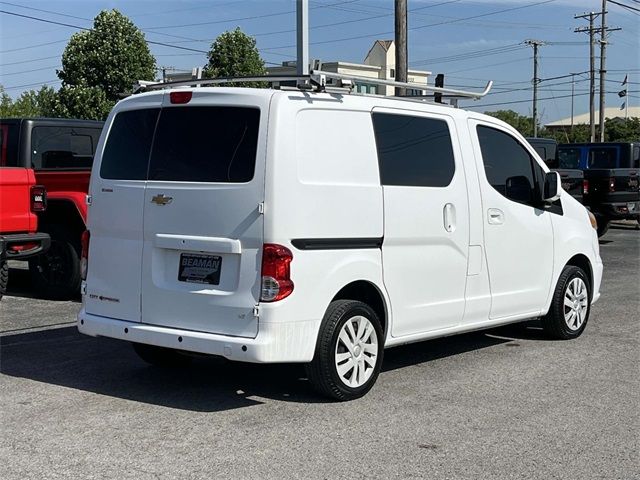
(60,152)
(20,200)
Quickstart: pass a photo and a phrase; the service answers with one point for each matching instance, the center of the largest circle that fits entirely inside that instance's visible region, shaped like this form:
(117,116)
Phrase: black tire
(603,225)
(4,278)
(322,371)
(160,356)
(55,275)
(554,322)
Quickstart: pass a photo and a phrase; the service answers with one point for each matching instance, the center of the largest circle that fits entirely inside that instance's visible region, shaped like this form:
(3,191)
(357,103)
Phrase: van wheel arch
(366,292)
(581,261)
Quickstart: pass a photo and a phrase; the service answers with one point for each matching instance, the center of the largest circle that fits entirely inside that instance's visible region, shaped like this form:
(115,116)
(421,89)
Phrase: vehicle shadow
(108,367)
(20,283)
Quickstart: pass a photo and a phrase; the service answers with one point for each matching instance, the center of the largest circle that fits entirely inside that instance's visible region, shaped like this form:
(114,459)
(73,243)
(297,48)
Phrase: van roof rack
(317,81)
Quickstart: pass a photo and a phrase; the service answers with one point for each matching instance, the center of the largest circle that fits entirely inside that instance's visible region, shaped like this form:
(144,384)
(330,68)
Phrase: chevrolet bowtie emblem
(161,199)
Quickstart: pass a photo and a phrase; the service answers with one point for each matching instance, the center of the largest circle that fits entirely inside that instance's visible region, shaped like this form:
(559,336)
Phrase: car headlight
(592,218)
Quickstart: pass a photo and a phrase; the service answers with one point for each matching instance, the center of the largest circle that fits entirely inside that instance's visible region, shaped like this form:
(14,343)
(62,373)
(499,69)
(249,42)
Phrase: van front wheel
(570,307)
(349,351)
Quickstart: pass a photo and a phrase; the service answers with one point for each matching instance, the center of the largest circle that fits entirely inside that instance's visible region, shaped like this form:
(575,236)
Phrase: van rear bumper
(277,342)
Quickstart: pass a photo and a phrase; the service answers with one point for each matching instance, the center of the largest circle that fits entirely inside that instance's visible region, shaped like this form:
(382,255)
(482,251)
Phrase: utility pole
(573,85)
(603,54)
(401,44)
(302,37)
(592,85)
(535,44)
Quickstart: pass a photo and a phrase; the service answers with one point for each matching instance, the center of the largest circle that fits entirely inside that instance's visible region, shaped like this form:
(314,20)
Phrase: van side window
(413,151)
(62,147)
(508,165)
(126,153)
(205,144)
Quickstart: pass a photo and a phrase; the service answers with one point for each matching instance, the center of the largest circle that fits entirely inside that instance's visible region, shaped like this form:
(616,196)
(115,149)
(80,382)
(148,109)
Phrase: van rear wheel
(160,356)
(349,351)
(571,305)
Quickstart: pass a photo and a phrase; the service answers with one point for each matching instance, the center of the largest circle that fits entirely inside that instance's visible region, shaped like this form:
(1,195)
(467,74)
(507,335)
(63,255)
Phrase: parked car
(20,200)
(612,171)
(60,151)
(572,179)
(294,226)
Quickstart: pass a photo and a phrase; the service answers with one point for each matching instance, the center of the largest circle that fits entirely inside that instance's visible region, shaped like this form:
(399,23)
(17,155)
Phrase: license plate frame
(199,268)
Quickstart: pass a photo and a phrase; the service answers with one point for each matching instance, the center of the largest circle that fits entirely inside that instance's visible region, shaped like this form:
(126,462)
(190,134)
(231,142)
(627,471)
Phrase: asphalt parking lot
(504,403)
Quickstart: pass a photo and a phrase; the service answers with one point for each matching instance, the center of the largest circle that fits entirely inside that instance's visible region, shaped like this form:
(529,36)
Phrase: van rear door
(203,228)
(117,189)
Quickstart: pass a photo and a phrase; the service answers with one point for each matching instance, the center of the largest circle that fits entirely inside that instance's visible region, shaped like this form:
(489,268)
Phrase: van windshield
(185,144)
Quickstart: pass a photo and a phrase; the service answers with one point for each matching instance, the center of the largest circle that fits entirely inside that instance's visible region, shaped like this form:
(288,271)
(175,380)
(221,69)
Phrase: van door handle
(449,217)
(496,216)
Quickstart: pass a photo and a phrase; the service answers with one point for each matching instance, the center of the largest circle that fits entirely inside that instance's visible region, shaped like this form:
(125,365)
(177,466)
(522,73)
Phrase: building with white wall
(378,64)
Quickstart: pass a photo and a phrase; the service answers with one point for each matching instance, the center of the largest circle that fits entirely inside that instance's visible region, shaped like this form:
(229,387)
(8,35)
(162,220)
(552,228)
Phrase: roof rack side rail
(145,86)
(320,75)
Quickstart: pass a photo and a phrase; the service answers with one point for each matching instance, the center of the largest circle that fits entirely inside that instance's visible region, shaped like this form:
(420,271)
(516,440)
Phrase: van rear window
(186,144)
(126,153)
(205,144)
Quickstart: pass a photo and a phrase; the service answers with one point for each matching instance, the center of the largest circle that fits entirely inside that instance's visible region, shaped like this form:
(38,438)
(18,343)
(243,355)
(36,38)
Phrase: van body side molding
(336,243)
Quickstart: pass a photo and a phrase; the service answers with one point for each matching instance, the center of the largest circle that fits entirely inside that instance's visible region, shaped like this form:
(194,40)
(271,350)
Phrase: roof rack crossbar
(147,86)
(392,83)
(316,78)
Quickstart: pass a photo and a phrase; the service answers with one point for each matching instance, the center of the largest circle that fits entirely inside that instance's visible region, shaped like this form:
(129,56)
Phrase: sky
(471,42)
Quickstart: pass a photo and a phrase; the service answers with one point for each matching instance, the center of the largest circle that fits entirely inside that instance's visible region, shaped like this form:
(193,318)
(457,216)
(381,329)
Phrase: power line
(32,84)
(521,101)
(28,71)
(628,7)
(151,42)
(379,34)
(252,17)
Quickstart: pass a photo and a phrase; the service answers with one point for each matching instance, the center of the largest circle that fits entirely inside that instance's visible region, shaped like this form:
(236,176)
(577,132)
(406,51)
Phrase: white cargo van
(271,225)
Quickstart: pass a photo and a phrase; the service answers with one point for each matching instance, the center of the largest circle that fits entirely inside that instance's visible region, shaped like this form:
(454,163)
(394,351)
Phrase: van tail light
(180,97)
(276,276)
(612,184)
(84,256)
(38,198)
(585,187)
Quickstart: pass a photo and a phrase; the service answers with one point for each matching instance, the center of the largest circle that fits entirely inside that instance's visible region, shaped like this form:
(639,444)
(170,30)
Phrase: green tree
(520,122)
(6,104)
(234,54)
(622,130)
(100,64)
(41,103)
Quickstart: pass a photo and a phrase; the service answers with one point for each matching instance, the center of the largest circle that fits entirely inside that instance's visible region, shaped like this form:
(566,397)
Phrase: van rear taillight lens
(276,275)
(84,256)
(180,97)
(585,187)
(38,198)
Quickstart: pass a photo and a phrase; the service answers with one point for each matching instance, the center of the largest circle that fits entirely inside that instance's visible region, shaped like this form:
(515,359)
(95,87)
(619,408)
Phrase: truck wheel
(160,356)
(55,275)
(349,351)
(571,305)
(603,225)
(4,278)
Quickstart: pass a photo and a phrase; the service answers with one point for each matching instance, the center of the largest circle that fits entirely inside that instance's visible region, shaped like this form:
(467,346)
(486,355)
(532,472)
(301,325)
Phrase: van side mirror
(519,189)
(551,191)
